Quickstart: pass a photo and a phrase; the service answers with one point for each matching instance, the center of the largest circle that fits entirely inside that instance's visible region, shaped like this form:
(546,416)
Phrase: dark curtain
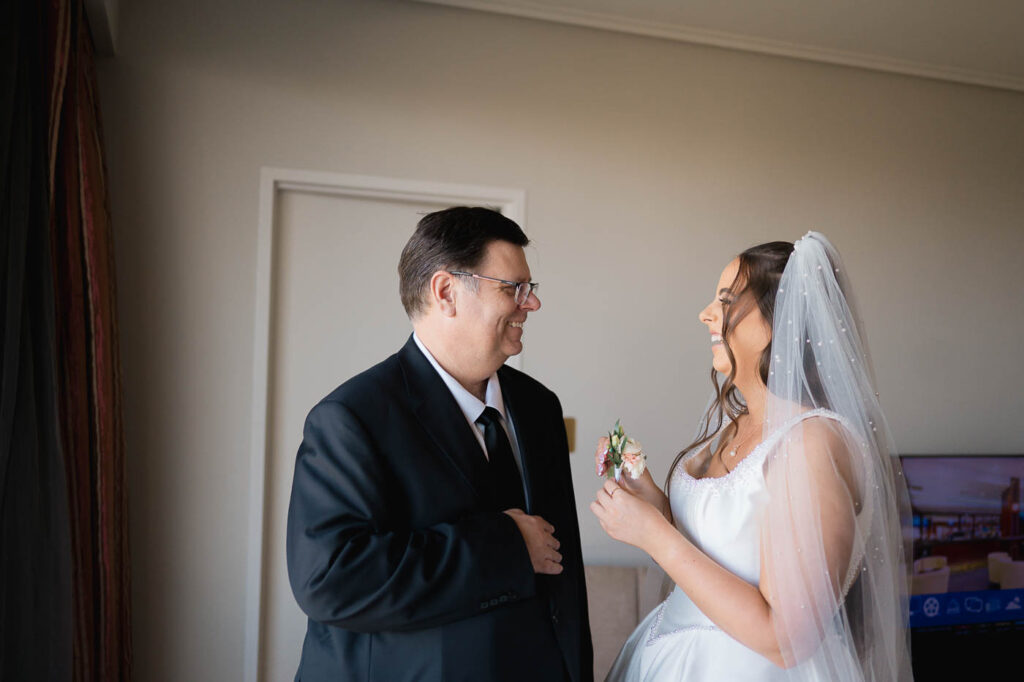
(35,555)
(65,525)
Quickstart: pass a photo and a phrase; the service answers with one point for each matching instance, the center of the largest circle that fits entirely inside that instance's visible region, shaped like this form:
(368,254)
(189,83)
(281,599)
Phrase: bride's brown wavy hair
(757,280)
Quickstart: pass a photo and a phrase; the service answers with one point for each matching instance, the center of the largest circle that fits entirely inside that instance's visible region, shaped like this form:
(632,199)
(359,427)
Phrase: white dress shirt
(472,407)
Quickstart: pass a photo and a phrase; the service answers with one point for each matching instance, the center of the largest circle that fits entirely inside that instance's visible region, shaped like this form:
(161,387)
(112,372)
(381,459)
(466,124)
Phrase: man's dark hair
(452,239)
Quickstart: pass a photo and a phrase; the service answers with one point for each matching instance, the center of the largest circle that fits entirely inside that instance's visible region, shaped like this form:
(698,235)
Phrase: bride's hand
(625,516)
(644,487)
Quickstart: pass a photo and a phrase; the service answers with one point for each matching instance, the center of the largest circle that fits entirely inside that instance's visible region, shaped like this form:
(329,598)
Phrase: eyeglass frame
(518,285)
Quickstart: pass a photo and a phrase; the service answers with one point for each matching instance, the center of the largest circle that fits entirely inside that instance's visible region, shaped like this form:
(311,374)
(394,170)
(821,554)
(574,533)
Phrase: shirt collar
(470,405)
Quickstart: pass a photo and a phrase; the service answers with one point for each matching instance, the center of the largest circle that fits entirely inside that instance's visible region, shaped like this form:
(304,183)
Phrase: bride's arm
(746,612)
(739,608)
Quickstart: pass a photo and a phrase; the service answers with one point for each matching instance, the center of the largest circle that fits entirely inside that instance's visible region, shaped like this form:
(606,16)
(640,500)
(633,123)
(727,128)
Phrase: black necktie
(508,485)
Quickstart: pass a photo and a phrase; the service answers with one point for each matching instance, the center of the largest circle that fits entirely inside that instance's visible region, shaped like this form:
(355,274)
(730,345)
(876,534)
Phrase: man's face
(490,323)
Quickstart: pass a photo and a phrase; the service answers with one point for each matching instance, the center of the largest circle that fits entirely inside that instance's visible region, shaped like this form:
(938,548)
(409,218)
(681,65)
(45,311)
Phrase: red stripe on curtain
(89,369)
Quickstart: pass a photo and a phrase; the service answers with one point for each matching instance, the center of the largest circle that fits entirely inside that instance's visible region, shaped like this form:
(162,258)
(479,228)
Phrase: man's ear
(442,292)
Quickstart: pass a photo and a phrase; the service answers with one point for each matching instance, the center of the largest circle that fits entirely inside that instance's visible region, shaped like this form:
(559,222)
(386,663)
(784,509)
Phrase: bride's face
(747,338)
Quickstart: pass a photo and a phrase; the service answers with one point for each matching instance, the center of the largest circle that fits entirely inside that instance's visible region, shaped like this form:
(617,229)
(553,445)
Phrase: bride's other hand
(627,517)
(599,455)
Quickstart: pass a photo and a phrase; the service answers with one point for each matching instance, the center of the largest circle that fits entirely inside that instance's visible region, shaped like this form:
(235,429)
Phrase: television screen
(967,586)
(968,525)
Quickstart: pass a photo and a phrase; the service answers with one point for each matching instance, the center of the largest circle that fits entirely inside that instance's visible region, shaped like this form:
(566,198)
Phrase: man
(432,531)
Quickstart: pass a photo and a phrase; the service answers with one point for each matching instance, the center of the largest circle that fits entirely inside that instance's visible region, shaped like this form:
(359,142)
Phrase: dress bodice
(721,516)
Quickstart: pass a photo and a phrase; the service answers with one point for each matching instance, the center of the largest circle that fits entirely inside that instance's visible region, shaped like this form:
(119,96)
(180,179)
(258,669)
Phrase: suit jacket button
(554,616)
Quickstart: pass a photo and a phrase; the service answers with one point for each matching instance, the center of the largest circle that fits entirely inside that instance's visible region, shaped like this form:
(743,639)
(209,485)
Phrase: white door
(334,311)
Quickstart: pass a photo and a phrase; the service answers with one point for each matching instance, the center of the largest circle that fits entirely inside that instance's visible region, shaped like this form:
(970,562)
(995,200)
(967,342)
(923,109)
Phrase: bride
(781,523)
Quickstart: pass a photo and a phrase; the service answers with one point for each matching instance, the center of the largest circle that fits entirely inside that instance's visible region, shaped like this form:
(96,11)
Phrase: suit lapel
(520,409)
(441,417)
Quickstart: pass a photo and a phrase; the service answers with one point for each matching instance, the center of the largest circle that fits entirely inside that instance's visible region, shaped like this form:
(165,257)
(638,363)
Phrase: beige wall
(647,165)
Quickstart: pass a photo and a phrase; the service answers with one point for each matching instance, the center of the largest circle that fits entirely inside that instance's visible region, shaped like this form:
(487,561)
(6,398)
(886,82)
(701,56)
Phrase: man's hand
(540,542)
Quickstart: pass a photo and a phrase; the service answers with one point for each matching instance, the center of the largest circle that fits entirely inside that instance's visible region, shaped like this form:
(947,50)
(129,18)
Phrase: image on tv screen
(968,525)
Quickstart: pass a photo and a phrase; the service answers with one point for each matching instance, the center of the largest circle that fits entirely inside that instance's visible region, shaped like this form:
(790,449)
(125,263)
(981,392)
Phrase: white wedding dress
(721,516)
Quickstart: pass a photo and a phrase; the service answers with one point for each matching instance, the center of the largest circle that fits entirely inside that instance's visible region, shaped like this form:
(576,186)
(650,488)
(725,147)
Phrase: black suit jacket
(396,553)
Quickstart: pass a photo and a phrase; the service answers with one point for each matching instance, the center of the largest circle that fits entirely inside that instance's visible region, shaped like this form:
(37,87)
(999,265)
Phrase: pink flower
(634,461)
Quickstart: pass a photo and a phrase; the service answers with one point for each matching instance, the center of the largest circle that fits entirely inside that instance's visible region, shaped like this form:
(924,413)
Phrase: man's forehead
(510,258)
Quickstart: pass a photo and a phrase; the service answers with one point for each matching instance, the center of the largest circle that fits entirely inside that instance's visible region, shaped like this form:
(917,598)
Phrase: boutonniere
(622,454)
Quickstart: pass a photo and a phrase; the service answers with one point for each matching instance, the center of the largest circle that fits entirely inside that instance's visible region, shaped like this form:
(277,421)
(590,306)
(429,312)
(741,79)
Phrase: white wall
(647,164)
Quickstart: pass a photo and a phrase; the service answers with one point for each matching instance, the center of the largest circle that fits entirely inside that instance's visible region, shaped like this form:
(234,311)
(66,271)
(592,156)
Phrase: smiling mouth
(716,339)
(517,325)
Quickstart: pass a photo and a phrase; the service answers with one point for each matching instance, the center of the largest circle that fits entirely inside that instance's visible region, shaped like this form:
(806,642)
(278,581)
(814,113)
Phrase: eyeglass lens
(523,291)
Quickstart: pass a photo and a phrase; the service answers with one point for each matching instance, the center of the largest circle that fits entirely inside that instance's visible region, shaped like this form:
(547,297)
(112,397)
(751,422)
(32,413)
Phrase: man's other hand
(540,541)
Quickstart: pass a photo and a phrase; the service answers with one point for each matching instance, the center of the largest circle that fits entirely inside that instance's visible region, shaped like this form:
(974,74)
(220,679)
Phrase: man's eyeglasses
(522,289)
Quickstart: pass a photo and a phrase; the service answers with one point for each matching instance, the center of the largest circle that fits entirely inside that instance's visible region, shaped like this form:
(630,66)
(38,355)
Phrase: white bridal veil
(832,538)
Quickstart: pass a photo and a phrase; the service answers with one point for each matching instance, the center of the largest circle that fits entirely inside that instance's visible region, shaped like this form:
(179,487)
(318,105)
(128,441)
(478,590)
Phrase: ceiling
(965,484)
(980,43)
